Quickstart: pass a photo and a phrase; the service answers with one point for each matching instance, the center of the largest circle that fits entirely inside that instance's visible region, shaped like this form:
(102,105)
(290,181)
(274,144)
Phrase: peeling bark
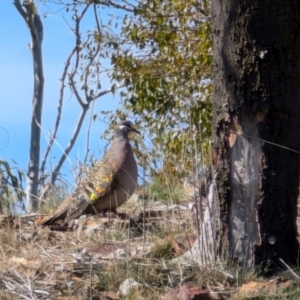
(244,181)
(257,120)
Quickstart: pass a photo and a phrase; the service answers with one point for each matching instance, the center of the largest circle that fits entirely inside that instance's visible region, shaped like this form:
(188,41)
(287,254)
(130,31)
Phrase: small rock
(127,285)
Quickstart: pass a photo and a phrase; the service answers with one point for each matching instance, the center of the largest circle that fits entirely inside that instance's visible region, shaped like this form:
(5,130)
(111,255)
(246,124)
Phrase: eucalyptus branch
(66,152)
(76,93)
(58,117)
(90,97)
(97,20)
(78,49)
(69,146)
(115,5)
(101,94)
(19,8)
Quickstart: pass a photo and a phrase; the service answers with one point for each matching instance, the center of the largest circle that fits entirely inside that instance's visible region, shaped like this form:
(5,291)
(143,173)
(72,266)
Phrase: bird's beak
(135,130)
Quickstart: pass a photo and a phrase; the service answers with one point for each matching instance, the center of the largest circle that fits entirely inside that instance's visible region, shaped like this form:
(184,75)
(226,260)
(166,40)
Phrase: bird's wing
(98,182)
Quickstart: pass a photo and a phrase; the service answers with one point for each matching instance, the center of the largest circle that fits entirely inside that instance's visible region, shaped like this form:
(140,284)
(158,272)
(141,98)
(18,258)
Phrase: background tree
(256,127)
(164,59)
(30,14)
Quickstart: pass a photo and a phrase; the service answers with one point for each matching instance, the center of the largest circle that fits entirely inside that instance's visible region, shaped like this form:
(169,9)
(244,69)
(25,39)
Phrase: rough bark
(256,118)
(33,20)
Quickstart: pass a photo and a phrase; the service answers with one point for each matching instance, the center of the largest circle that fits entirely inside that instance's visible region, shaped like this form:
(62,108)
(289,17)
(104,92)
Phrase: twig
(47,254)
(58,117)
(53,139)
(289,269)
(264,141)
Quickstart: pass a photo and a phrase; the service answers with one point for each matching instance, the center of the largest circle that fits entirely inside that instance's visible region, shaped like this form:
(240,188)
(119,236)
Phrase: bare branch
(20,9)
(67,151)
(107,91)
(78,49)
(84,12)
(90,97)
(74,89)
(124,7)
(97,20)
(58,117)
(69,146)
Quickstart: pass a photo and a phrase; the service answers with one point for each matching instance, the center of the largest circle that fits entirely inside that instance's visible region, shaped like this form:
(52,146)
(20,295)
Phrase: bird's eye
(127,124)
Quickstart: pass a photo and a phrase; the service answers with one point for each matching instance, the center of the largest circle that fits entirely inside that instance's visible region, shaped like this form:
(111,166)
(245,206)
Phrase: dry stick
(52,140)
(47,254)
(90,97)
(24,287)
(91,271)
(196,206)
(265,141)
(30,287)
(10,290)
(144,207)
(289,269)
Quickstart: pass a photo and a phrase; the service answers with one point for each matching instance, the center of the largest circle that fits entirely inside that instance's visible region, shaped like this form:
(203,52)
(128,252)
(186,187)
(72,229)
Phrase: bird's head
(124,128)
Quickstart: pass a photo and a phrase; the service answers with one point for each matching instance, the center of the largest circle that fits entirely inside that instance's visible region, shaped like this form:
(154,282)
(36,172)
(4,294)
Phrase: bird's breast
(127,173)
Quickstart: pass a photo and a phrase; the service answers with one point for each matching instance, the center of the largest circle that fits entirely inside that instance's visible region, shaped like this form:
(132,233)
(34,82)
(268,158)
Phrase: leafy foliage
(10,186)
(165,61)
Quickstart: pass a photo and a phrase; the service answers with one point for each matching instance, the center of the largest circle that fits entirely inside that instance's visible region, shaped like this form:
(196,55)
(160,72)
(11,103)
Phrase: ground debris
(91,258)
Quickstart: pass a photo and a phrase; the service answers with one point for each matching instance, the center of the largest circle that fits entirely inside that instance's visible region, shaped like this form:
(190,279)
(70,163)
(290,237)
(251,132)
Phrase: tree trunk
(33,20)
(36,120)
(257,120)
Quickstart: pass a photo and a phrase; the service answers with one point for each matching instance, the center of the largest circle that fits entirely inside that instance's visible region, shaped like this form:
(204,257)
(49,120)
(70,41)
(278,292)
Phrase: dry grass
(96,255)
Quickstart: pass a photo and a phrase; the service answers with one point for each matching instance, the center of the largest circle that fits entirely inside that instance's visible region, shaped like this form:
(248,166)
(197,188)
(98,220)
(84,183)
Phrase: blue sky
(16,86)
